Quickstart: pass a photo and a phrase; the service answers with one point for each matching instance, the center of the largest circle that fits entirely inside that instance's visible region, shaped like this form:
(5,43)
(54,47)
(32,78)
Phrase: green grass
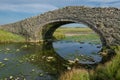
(75,74)
(110,70)
(86,37)
(9,37)
(74,29)
(59,35)
(76,34)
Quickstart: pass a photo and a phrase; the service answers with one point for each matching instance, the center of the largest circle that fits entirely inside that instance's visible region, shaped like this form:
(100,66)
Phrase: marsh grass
(75,74)
(108,71)
(9,37)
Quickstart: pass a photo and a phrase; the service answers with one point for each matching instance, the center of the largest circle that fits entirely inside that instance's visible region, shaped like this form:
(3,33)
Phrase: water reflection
(43,61)
(30,61)
(85,52)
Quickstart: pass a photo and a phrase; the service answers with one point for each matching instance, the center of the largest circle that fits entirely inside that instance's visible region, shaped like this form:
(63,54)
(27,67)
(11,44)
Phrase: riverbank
(108,71)
(73,34)
(7,37)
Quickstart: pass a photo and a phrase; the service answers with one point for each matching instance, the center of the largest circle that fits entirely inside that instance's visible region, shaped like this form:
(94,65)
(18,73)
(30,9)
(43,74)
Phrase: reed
(75,74)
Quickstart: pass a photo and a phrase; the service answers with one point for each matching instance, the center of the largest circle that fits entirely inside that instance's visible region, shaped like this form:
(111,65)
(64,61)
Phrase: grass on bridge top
(6,37)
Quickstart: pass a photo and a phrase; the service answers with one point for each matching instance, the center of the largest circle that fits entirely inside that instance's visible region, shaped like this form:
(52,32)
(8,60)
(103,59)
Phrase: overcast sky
(15,10)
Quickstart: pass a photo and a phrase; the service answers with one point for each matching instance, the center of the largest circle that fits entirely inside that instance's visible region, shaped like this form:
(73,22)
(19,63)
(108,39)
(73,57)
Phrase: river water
(46,61)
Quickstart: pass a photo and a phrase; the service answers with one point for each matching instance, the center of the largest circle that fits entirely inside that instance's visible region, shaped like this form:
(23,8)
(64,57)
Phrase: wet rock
(2,64)
(33,70)
(71,61)
(17,50)
(20,61)
(69,68)
(7,49)
(43,57)
(92,60)
(50,58)
(17,78)
(98,46)
(103,53)
(41,74)
(82,55)
(24,46)
(89,43)
(5,59)
(81,47)
(11,77)
(76,60)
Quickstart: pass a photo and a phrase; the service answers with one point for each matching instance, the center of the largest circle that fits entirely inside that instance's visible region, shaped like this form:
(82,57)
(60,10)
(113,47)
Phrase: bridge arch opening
(83,50)
(49,29)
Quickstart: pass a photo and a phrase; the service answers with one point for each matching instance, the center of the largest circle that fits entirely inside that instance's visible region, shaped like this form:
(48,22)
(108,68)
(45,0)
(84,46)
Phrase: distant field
(74,30)
(76,34)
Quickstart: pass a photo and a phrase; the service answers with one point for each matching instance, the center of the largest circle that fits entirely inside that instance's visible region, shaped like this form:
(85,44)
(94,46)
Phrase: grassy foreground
(110,70)
(9,37)
(107,71)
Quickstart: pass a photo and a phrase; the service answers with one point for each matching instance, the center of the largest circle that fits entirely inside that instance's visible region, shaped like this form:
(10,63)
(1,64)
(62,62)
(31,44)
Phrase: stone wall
(104,21)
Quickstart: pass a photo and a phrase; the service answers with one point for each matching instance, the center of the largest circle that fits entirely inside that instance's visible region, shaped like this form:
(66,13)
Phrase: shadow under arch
(49,28)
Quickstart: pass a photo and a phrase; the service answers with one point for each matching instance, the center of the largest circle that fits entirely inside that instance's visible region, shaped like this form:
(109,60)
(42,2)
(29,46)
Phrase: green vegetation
(59,35)
(74,30)
(108,71)
(9,37)
(76,34)
(75,74)
(84,37)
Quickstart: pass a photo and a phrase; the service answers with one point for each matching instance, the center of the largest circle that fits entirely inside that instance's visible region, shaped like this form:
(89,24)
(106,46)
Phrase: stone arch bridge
(104,21)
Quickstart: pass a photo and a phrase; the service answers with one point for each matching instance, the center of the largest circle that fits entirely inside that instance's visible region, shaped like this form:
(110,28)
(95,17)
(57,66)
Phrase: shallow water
(83,51)
(43,61)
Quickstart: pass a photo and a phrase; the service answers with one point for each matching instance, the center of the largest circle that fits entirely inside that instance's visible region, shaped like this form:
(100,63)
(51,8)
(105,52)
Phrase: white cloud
(28,8)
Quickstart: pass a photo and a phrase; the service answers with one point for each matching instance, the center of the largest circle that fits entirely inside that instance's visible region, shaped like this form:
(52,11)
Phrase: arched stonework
(104,21)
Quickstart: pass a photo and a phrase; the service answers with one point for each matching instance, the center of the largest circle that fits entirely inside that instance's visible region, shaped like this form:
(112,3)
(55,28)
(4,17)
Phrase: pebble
(41,74)
(11,77)
(33,70)
(7,49)
(69,68)
(17,50)
(5,59)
